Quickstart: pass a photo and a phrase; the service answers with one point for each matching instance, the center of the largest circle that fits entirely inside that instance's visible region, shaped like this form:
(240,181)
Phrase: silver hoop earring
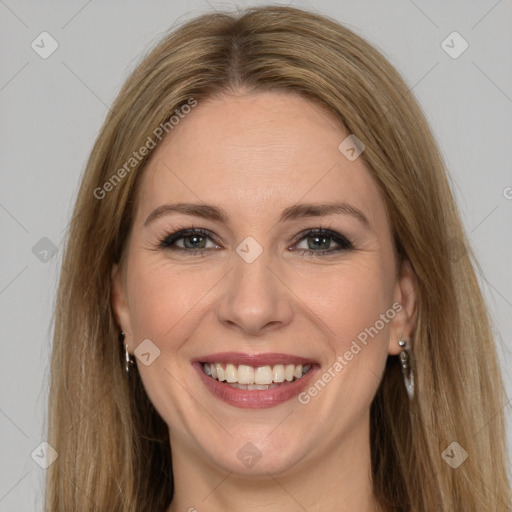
(128,360)
(406,360)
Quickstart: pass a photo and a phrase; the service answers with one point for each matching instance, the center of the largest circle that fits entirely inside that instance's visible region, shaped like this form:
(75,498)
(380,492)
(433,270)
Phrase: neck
(338,480)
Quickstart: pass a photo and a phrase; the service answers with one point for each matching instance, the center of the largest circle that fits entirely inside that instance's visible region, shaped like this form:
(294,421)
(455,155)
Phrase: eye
(317,242)
(193,240)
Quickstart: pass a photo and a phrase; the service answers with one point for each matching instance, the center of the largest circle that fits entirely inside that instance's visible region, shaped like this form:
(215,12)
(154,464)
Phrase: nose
(255,299)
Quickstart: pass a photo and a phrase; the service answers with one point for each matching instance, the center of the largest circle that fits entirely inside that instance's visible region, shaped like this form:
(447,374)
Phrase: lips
(254,380)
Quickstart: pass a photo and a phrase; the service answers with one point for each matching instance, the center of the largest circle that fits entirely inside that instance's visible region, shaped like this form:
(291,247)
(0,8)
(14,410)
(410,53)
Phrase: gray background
(52,110)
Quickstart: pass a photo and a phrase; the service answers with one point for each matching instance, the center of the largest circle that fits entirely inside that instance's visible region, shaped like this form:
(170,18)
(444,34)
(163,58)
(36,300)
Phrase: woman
(261,306)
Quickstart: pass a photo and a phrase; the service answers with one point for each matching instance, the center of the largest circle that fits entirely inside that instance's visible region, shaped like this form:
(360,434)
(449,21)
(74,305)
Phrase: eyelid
(180,232)
(344,243)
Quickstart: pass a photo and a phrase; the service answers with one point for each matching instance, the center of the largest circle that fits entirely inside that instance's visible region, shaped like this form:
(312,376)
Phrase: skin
(255,155)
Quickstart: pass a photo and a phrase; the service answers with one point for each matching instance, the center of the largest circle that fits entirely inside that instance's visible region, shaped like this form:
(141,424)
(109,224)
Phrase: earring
(128,360)
(406,361)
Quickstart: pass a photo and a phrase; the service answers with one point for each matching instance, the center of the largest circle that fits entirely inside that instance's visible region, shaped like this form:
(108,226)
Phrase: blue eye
(197,242)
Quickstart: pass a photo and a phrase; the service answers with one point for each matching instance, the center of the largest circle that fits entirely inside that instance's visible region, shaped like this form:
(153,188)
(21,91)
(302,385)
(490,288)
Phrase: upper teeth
(244,374)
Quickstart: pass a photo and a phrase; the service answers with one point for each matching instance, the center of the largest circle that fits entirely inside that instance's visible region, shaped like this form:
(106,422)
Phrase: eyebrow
(296,211)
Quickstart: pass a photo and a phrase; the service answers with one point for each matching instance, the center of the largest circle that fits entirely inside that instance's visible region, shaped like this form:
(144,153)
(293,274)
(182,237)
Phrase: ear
(120,302)
(404,301)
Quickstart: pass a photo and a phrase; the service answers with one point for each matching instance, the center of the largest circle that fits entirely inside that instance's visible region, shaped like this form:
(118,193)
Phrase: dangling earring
(128,360)
(406,361)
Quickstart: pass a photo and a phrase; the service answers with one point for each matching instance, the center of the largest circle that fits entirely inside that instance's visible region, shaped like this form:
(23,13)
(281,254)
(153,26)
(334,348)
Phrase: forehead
(256,153)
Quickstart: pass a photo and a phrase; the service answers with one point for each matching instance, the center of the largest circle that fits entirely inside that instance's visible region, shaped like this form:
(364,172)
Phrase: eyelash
(344,243)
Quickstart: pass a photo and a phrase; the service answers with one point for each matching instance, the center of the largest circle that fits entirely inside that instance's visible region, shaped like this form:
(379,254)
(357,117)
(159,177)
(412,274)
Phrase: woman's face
(256,291)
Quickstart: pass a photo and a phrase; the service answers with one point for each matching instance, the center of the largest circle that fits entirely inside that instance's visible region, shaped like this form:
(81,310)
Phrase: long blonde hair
(113,447)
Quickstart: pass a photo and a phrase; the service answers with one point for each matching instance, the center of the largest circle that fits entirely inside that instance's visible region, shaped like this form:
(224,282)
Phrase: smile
(255,381)
(255,378)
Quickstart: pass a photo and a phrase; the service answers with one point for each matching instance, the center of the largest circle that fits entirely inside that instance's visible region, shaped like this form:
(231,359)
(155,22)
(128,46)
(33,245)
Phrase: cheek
(353,302)
(348,298)
(165,305)
(162,300)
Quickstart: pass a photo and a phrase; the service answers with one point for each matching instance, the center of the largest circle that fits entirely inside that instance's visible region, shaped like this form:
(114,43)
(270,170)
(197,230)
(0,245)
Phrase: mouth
(254,381)
(255,378)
